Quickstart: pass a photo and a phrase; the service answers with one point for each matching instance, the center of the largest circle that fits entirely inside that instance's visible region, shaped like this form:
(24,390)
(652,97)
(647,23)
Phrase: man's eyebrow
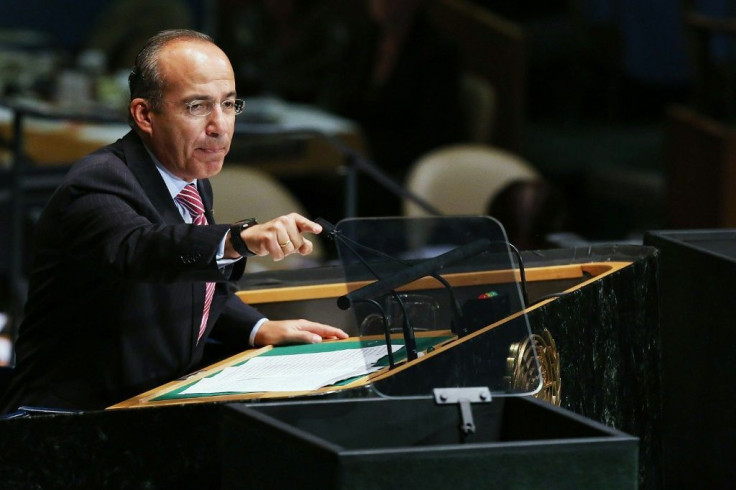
(191,98)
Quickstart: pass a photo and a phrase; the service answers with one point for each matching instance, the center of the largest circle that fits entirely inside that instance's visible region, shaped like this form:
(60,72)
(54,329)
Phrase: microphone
(334,234)
(426,268)
(410,344)
(466,318)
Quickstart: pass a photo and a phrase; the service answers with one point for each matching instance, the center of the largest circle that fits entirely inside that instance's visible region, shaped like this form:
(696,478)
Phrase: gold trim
(521,369)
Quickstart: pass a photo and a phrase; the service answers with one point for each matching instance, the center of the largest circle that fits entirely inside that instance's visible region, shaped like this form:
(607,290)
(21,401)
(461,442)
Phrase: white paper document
(294,372)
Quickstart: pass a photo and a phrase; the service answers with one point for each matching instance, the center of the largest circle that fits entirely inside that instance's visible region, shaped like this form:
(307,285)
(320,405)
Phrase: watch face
(247,222)
(235,238)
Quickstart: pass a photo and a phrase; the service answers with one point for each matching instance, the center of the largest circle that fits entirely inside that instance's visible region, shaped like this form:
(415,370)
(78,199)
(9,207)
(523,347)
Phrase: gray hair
(146,80)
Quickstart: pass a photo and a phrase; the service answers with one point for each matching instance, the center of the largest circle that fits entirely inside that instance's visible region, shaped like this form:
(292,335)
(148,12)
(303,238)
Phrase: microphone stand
(417,271)
(410,343)
(386,330)
(354,162)
(410,274)
(429,268)
(457,311)
(460,327)
(522,274)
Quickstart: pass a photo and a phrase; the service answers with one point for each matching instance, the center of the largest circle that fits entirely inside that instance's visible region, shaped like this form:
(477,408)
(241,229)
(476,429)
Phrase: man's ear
(140,110)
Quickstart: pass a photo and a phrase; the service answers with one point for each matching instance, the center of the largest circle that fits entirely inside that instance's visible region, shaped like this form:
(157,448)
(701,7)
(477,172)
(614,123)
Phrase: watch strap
(236,240)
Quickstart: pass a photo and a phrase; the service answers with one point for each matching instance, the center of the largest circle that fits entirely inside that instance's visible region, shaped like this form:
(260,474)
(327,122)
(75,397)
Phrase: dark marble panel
(151,448)
(608,340)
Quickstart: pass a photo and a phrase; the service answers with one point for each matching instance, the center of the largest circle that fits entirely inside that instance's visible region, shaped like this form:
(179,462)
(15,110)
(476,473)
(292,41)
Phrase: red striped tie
(191,200)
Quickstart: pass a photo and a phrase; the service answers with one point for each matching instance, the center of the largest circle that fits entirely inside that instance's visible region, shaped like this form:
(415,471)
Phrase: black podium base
(414,443)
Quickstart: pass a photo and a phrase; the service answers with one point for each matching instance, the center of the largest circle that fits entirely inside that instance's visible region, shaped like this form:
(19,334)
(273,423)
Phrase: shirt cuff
(252,337)
(221,261)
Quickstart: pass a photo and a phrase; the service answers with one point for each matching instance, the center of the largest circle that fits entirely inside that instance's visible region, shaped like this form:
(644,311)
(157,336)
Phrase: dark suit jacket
(117,287)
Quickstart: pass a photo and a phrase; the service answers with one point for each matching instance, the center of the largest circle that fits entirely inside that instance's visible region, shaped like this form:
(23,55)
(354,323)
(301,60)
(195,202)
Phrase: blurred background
(570,121)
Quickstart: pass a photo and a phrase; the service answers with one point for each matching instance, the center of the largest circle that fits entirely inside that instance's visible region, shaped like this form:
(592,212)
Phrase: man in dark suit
(130,275)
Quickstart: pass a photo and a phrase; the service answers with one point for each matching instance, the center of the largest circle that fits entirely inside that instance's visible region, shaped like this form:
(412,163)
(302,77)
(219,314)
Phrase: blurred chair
(478,104)
(244,192)
(464,179)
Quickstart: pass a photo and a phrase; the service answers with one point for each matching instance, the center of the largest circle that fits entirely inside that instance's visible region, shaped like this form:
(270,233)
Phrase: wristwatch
(236,240)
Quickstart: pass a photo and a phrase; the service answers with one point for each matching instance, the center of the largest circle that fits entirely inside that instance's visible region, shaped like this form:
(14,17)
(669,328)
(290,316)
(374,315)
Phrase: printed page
(295,372)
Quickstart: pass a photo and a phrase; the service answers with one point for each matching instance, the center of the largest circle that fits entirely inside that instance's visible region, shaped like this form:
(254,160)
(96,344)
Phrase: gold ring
(285,244)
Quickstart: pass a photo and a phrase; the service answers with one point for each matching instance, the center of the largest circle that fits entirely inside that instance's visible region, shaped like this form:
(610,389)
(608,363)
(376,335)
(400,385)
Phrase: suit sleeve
(234,324)
(107,221)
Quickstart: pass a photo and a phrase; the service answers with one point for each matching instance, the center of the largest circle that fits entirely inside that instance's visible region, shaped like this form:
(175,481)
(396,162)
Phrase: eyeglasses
(201,108)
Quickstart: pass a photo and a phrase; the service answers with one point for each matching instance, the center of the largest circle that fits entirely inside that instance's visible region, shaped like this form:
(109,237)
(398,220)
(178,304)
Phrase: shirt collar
(173,183)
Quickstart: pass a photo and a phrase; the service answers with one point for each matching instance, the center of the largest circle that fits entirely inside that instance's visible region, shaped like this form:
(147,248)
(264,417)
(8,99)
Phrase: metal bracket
(463,397)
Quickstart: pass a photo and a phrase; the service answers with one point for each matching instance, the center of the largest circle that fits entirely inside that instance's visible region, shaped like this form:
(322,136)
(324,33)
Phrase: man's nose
(217,121)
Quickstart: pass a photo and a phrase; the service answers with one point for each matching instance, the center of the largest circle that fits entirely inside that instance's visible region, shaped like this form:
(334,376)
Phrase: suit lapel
(205,191)
(140,163)
(142,166)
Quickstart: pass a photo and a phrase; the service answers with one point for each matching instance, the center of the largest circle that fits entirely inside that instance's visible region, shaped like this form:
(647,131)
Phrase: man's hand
(295,332)
(279,237)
